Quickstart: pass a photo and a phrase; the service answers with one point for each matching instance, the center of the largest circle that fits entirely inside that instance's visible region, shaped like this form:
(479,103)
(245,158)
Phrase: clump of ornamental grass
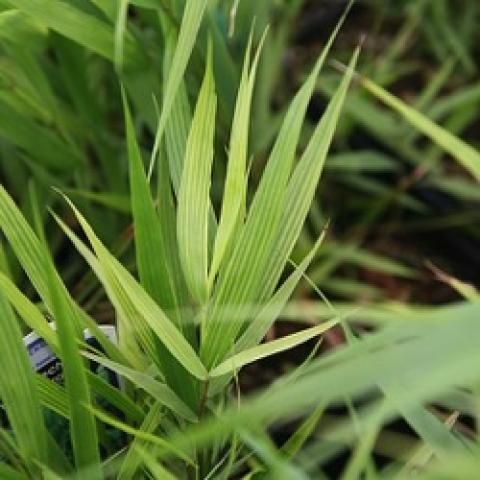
(207,292)
(209,283)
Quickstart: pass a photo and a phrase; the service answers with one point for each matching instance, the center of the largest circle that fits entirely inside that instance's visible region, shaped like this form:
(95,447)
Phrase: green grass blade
(115,397)
(36,261)
(154,270)
(260,325)
(9,473)
(83,430)
(168,226)
(109,200)
(178,124)
(293,445)
(430,429)
(191,20)
(235,190)
(303,183)
(351,253)
(53,396)
(133,299)
(132,461)
(18,389)
(161,392)
(28,249)
(423,454)
(81,27)
(440,350)
(255,264)
(110,349)
(361,161)
(141,329)
(30,314)
(466,155)
(149,437)
(271,348)
(39,142)
(158,471)
(194,193)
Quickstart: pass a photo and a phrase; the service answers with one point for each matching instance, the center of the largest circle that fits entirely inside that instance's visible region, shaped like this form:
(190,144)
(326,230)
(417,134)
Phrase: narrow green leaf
(355,371)
(178,124)
(293,445)
(194,193)
(235,190)
(53,396)
(250,270)
(191,20)
(9,473)
(168,224)
(132,461)
(466,155)
(423,454)
(360,457)
(29,250)
(303,183)
(18,389)
(48,474)
(105,199)
(271,348)
(156,272)
(176,136)
(156,468)
(39,267)
(361,161)
(133,299)
(349,252)
(260,325)
(24,39)
(84,29)
(115,397)
(30,314)
(39,142)
(83,430)
(110,348)
(149,437)
(161,392)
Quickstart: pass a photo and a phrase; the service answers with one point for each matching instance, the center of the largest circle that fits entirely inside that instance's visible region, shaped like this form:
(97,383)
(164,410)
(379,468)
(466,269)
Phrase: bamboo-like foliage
(152,307)
(208,285)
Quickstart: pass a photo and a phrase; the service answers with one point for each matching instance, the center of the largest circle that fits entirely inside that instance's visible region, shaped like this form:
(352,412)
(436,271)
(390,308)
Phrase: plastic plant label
(45,362)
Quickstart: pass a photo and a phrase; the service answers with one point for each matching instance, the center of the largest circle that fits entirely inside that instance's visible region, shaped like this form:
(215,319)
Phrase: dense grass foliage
(159,175)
